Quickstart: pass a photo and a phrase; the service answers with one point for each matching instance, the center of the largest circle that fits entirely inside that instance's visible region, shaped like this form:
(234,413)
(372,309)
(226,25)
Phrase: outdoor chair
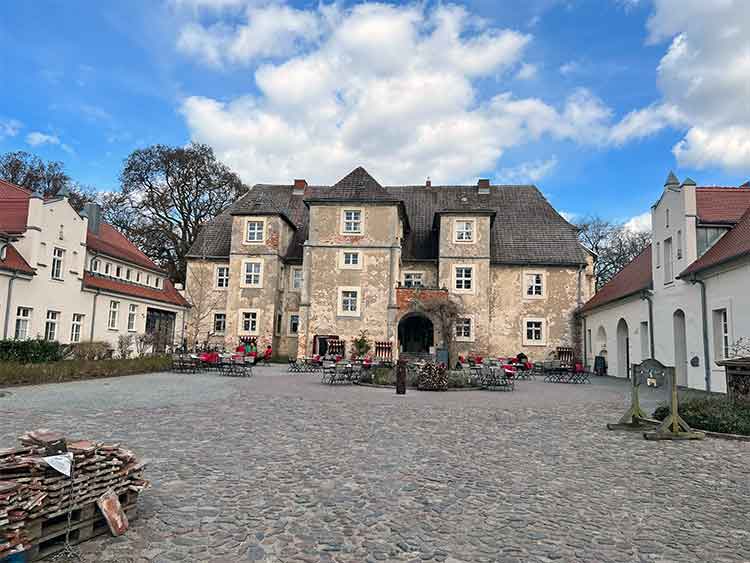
(296,366)
(498,378)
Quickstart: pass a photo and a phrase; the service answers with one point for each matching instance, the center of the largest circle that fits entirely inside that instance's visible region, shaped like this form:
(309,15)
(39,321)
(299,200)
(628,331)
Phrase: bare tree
(167,194)
(615,246)
(443,310)
(740,348)
(48,178)
(203,299)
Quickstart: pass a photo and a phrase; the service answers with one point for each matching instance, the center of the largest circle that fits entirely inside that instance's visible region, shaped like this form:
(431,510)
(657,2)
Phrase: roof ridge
(26,191)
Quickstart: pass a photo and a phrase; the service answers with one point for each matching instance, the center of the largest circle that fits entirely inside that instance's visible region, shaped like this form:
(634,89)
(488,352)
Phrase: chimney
(483,186)
(94,213)
(299,186)
(428,183)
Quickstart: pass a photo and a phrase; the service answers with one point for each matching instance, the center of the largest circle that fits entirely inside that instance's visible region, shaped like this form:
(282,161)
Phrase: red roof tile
(734,244)
(168,294)
(111,242)
(721,205)
(15,262)
(14,207)
(633,278)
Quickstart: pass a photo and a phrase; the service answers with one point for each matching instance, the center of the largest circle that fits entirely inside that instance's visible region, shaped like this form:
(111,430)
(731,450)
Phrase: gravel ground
(283,468)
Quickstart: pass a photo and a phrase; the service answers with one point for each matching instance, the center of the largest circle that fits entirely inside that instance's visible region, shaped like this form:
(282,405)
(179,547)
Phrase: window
(721,334)
(413,279)
(254,231)
(222,277)
(668,260)
(252,274)
(158,283)
(352,221)
(107,268)
(296,278)
(293,323)
(75,327)
(534,330)
(463,231)
(118,271)
(95,266)
(666,218)
(463,329)
(23,322)
(57,263)
(279,323)
(132,312)
(464,278)
(350,260)
(588,342)
(707,237)
(148,279)
(658,254)
(533,285)
(249,322)
(679,245)
(114,314)
(128,273)
(137,277)
(220,323)
(50,327)
(349,305)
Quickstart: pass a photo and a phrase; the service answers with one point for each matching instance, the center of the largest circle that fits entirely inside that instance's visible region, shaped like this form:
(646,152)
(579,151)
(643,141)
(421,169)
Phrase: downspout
(704,313)
(647,296)
(7,304)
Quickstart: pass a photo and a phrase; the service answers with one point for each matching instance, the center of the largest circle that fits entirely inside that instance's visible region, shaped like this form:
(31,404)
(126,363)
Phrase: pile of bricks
(35,499)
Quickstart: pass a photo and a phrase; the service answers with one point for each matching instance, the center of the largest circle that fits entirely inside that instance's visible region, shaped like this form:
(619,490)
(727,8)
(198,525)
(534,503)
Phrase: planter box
(738,379)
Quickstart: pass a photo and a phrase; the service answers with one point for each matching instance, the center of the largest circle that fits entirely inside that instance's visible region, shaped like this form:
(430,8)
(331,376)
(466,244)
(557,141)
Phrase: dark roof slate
(358,185)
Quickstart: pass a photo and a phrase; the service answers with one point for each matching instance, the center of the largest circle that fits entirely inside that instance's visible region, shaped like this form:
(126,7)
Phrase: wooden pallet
(86,522)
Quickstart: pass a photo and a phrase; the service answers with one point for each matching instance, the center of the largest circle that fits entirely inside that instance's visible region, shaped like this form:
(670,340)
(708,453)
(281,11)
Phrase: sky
(594,101)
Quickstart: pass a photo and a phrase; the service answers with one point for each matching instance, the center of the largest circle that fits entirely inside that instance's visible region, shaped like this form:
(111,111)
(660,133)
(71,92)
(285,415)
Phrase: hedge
(31,351)
(13,373)
(713,414)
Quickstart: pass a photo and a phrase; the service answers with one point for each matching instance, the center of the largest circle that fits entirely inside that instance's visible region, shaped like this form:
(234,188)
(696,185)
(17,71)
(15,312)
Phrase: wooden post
(673,427)
(635,418)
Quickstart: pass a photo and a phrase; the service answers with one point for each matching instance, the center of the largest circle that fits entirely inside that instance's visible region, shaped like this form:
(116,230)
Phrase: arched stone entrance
(416,334)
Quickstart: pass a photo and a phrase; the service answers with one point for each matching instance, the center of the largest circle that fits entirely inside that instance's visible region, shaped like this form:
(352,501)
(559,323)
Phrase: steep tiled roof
(721,205)
(14,262)
(734,244)
(633,278)
(168,294)
(526,229)
(111,242)
(358,185)
(14,207)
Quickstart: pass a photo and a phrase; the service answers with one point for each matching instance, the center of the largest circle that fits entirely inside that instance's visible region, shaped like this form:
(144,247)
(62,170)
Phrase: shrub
(31,351)
(433,377)
(458,379)
(73,370)
(92,351)
(360,344)
(714,414)
(124,342)
(383,376)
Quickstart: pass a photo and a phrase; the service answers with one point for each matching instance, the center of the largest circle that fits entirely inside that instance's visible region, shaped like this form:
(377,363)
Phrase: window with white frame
(128,274)
(158,283)
(533,285)
(413,279)
(350,259)
(107,268)
(138,277)
(23,322)
(534,332)
(668,270)
(293,323)
(95,266)
(464,278)
(249,322)
(114,315)
(118,271)
(58,254)
(148,279)
(279,323)
(666,218)
(352,221)
(463,231)
(132,313)
(463,329)
(679,245)
(220,323)
(76,327)
(297,278)
(349,301)
(252,275)
(222,277)
(658,254)
(722,340)
(255,231)
(50,326)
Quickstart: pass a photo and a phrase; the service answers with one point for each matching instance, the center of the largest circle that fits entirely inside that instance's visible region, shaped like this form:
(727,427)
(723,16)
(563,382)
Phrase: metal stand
(69,553)
(674,427)
(635,418)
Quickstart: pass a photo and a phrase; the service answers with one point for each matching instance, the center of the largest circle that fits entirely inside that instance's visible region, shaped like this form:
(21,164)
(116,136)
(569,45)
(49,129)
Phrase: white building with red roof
(71,277)
(686,299)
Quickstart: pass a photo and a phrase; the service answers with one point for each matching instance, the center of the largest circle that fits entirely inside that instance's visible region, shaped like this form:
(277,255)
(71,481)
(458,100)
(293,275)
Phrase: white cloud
(9,128)
(393,89)
(36,139)
(640,223)
(704,78)
(527,172)
(569,216)
(571,67)
(527,72)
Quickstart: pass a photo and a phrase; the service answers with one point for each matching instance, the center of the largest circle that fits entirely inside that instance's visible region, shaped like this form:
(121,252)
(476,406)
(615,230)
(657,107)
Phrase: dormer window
(95,266)
(255,231)
(351,221)
(463,231)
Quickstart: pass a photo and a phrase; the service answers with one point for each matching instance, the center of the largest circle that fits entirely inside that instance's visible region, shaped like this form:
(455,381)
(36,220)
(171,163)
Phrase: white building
(691,287)
(74,278)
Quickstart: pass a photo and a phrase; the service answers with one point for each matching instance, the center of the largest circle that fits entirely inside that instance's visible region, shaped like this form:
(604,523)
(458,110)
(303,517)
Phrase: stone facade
(353,269)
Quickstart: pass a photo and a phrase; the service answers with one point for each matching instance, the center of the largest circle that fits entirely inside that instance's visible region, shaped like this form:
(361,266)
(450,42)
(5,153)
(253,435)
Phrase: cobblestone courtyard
(282,468)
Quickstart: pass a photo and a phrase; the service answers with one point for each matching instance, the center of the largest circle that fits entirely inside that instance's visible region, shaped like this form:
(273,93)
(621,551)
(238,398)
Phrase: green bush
(383,376)
(31,351)
(459,379)
(92,351)
(714,414)
(73,370)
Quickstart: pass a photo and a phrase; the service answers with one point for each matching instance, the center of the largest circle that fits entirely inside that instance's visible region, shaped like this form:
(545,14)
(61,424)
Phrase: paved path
(281,468)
